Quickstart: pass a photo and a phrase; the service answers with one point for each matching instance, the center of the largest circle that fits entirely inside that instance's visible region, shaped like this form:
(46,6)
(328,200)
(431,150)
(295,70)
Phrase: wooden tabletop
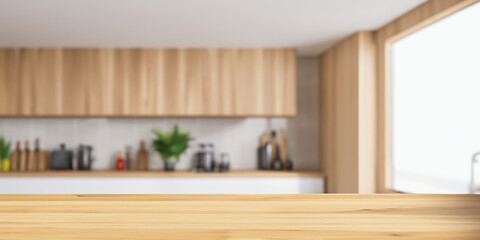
(321,216)
(163,174)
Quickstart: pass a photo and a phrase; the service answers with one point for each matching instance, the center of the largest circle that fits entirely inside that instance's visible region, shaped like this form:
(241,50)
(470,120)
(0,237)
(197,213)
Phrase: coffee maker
(204,158)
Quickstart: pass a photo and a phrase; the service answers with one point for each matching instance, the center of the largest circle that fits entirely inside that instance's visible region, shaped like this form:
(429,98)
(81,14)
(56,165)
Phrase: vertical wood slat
(347,134)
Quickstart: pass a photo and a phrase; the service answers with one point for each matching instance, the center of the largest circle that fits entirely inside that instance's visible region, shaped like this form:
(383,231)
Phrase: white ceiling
(311,26)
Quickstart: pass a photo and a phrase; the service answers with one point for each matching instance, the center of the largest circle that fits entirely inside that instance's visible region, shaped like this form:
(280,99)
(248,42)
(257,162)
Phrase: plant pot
(169,166)
(5,163)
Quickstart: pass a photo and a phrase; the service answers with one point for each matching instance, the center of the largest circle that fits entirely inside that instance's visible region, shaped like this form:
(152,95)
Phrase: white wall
(236,136)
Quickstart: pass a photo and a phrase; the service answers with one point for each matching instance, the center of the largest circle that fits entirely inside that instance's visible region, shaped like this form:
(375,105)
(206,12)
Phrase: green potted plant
(4,155)
(170,146)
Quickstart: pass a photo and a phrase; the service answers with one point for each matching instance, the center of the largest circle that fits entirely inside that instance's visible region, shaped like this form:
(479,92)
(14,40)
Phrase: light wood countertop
(321,216)
(163,174)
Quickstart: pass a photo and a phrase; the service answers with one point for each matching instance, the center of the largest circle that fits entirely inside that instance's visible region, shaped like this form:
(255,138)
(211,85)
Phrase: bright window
(436,105)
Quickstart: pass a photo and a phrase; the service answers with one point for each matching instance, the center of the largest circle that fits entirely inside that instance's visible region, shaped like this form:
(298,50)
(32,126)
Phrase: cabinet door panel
(210,82)
(74,86)
(47,83)
(290,73)
(247,71)
(9,82)
(147,82)
(174,84)
(226,81)
(98,77)
(151,82)
(26,79)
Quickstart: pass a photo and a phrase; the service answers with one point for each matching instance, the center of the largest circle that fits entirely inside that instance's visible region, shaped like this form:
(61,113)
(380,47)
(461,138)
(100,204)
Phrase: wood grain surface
(163,174)
(347,106)
(321,216)
(147,82)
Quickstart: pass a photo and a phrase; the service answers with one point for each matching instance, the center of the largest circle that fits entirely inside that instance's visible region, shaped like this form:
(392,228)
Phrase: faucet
(473,189)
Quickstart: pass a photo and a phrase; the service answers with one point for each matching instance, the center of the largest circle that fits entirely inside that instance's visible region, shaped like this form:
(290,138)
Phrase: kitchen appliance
(84,157)
(224,165)
(263,153)
(61,159)
(204,160)
(275,156)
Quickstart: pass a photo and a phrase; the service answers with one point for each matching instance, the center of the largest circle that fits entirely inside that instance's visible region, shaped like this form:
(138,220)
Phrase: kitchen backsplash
(239,137)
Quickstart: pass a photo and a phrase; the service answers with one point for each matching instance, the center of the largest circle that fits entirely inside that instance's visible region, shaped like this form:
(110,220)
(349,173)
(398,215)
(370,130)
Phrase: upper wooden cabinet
(148,82)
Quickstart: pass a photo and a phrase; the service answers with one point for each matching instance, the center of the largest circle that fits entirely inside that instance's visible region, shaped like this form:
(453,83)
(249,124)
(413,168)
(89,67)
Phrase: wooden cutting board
(142,158)
(31,161)
(42,161)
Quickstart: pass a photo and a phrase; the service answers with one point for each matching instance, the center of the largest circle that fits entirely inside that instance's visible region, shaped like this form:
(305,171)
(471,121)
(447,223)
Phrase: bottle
(36,155)
(263,153)
(129,160)
(120,164)
(276,163)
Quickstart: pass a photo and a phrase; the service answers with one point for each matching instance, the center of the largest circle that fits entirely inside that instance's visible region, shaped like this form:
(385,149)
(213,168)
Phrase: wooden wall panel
(366,112)
(346,136)
(346,115)
(327,117)
(148,82)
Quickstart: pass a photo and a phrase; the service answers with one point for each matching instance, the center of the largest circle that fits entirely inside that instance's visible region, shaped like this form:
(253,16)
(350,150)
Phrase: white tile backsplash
(239,137)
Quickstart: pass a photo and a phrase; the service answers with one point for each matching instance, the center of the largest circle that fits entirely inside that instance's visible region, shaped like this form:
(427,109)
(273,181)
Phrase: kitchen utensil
(287,162)
(224,165)
(283,147)
(263,156)
(84,157)
(130,165)
(275,160)
(34,157)
(24,158)
(31,163)
(16,158)
(61,159)
(43,161)
(142,158)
